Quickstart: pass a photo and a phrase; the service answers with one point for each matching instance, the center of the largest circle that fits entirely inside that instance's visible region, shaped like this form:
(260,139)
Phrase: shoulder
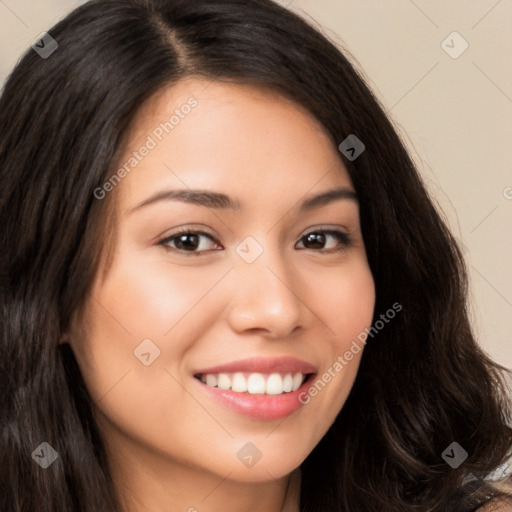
(486,496)
(495,506)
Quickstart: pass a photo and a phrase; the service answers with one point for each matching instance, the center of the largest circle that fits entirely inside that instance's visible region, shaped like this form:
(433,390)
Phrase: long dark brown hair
(423,382)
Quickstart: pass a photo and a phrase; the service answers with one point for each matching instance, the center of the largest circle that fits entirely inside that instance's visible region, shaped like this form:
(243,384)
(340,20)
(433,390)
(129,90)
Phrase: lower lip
(263,407)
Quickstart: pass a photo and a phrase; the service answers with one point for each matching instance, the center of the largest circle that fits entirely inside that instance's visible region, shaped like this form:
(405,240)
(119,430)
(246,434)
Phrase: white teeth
(211,380)
(275,384)
(224,382)
(297,381)
(255,383)
(288,383)
(239,384)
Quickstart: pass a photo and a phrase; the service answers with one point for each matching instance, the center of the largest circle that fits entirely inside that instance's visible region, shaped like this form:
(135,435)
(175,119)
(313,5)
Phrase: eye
(188,241)
(193,243)
(319,238)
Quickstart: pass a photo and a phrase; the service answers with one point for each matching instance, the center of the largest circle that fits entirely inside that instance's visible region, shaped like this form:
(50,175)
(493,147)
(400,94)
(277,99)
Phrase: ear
(64,338)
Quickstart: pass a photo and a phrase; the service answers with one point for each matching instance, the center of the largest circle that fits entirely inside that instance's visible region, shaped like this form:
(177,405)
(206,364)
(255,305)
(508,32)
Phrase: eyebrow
(218,200)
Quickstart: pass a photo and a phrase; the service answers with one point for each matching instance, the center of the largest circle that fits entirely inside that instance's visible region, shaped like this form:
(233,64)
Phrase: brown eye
(188,241)
(317,240)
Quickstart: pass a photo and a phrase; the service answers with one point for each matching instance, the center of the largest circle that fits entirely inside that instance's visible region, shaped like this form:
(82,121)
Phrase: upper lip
(262,365)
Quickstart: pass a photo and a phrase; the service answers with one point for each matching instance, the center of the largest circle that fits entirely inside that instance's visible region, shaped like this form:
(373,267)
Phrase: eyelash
(344,239)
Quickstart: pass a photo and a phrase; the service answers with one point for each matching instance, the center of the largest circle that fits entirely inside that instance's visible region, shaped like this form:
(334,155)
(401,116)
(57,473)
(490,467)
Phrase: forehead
(216,135)
(213,95)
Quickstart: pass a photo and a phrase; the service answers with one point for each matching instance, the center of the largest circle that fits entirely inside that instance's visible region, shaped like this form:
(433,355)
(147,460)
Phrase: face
(234,278)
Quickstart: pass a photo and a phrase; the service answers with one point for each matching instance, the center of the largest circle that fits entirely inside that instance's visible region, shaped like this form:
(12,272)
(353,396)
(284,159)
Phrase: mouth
(255,383)
(261,388)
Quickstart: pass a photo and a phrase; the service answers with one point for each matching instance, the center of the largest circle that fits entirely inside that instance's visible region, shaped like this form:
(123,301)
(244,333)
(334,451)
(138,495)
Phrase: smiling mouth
(255,383)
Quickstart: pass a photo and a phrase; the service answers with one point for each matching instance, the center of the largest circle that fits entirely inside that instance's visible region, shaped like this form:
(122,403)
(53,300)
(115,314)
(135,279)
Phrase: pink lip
(263,407)
(262,365)
(260,406)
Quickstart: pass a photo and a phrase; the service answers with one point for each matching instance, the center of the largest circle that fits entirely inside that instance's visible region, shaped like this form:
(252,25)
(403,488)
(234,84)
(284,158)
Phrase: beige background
(455,113)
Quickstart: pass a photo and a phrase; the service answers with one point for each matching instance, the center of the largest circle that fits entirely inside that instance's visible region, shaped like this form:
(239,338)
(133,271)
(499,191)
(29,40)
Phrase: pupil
(318,238)
(182,241)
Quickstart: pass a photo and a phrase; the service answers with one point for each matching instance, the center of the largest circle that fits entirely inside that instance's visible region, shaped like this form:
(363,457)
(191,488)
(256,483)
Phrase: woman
(224,285)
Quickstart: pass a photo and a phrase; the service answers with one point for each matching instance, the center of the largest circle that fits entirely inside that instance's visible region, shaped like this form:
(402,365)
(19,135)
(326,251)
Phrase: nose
(264,299)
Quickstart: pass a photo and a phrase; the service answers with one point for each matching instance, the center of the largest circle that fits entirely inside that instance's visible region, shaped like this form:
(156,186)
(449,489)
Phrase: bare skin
(171,446)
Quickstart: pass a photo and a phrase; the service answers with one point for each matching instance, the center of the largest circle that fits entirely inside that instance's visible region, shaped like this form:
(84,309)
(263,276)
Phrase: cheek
(347,306)
(136,303)
(151,305)
(351,320)
(140,301)
(345,302)
(151,297)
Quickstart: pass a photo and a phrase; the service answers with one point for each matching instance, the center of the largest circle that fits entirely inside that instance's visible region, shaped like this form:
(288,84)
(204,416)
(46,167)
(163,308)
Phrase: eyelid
(188,228)
(326,227)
